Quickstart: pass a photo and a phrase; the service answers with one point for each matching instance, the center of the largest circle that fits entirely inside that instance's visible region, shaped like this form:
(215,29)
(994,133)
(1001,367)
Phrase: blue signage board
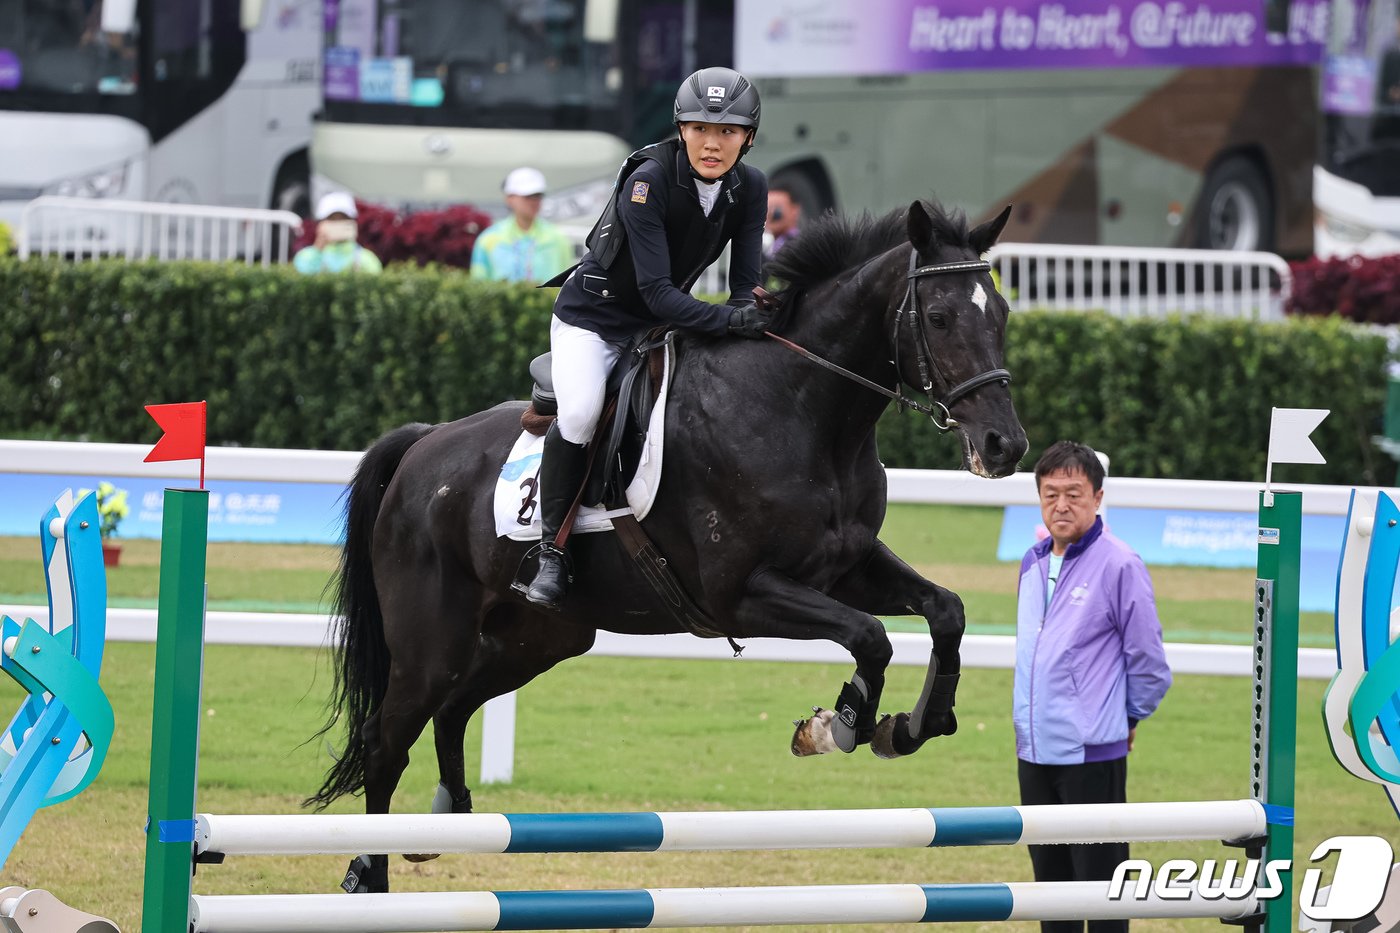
(238,510)
(1199,539)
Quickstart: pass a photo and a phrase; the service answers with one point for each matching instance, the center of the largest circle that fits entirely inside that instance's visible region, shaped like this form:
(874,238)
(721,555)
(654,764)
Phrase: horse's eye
(938,319)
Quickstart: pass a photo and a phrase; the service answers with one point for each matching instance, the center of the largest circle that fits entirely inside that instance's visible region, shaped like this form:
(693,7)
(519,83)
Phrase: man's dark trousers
(1092,782)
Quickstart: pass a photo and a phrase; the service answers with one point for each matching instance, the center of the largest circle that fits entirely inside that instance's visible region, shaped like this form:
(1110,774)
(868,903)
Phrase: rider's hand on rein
(748,320)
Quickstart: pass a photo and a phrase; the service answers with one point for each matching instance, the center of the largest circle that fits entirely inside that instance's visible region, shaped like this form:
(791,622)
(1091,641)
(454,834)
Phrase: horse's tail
(362,658)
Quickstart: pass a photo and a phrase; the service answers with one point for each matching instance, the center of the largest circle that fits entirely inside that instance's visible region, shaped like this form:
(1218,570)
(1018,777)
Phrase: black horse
(768,512)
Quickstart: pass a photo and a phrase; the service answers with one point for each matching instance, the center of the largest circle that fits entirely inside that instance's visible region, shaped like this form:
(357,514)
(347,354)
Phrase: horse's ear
(984,237)
(920,226)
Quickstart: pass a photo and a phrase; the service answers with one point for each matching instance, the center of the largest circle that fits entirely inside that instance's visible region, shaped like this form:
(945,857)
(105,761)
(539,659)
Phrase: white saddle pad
(518,485)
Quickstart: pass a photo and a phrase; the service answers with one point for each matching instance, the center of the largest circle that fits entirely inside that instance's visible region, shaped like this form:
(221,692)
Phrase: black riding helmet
(718,95)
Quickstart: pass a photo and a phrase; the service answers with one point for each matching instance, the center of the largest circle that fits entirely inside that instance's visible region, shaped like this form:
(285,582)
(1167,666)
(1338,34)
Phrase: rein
(895,393)
(908,316)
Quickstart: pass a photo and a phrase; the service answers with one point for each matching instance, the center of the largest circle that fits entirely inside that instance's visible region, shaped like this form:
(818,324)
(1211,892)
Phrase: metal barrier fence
(86,228)
(1124,281)
(1141,281)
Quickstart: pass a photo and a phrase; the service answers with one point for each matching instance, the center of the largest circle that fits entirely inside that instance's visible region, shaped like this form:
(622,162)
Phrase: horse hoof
(882,743)
(419,857)
(813,736)
(367,874)
(950,724)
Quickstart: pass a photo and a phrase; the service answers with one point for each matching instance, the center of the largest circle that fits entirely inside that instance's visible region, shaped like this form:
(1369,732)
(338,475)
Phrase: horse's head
(949,331)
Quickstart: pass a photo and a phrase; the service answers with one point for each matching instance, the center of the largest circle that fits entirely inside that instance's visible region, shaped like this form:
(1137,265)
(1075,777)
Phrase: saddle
(632,390)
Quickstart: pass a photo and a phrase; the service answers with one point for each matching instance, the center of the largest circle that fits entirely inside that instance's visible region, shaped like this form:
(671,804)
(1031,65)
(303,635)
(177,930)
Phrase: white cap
(337,202)
(525,181)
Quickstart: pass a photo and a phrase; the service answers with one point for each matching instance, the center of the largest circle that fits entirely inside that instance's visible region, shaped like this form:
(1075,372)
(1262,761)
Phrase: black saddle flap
(623,438)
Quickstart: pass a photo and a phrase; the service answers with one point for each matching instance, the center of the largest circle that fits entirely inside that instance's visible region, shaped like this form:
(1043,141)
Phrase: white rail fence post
(89,228)
(1128,281)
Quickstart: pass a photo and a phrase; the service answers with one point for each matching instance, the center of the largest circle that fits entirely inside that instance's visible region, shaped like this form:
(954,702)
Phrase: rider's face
(713,148)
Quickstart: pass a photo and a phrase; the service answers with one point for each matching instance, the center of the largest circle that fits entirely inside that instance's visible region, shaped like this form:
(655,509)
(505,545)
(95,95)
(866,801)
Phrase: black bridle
(907,316)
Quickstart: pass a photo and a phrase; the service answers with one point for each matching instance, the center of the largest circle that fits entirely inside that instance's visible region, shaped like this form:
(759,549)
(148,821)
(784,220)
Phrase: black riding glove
(749,320)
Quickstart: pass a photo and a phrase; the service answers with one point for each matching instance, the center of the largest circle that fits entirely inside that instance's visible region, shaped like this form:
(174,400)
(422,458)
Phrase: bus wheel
(1235,211)
(291,192)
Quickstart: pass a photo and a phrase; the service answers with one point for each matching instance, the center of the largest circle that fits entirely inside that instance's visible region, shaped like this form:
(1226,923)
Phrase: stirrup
(552,579)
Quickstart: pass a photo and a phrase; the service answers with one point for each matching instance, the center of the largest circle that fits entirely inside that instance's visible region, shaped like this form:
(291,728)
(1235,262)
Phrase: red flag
(183,424)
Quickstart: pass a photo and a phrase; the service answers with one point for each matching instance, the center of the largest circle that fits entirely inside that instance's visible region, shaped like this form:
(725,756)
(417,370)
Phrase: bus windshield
(549,64)
(1361,95)
(57,47)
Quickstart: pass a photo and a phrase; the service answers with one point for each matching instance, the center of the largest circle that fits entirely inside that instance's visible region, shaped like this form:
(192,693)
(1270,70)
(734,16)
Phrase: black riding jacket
(619,291)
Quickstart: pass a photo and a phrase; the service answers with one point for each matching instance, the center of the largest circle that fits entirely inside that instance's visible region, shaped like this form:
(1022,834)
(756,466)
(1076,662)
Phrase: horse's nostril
(995,446)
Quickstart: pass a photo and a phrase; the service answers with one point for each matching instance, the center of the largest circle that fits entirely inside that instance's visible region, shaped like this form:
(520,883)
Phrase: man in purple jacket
(1089,664)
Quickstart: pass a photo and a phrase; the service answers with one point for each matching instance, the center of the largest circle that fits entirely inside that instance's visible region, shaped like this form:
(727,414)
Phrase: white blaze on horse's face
(979,298)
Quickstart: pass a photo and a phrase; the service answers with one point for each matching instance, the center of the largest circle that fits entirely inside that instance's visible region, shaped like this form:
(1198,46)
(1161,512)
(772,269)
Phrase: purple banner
(342,74)
(9,70)
(1349,85)
(389,36)
(826,37)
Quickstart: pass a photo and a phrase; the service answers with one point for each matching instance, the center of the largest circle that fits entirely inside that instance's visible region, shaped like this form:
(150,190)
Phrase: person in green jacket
(336,249)
(522,247)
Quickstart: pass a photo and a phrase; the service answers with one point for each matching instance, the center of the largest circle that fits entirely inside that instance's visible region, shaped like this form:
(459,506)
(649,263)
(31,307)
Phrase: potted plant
(111,509)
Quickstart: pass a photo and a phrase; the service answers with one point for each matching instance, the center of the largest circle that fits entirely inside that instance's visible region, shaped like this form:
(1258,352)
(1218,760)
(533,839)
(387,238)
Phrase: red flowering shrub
(1363,290)
(442,236)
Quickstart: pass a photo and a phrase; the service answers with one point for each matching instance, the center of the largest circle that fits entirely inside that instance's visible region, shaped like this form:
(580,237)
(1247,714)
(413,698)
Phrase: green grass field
(604,734)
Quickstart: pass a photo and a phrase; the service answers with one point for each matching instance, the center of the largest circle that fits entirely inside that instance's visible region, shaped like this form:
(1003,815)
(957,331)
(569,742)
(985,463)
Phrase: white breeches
(580,365)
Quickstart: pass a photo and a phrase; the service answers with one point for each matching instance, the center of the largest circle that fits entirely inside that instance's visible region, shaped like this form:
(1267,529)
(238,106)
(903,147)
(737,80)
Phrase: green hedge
(331,362)
(1185,398)
(285,360)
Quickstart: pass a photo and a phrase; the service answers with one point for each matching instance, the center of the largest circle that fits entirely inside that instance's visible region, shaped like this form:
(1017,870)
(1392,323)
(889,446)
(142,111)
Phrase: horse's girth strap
(658,573)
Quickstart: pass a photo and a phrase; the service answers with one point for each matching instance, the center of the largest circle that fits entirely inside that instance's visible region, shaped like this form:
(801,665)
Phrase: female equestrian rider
(676,205)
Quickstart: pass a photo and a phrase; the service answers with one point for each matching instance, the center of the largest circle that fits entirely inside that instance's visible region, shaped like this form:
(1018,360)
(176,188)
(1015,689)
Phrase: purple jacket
(1093,660)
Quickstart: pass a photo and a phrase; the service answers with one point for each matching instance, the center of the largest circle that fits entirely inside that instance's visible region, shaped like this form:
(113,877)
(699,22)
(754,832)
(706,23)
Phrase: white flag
(1288,435)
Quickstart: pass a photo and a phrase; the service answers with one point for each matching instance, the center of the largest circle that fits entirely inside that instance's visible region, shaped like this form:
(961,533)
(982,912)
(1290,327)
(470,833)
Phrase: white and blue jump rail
(487,833)
(492,833)
(689,907)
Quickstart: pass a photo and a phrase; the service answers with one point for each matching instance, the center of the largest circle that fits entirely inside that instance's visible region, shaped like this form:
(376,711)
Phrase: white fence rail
(1142,282)
(497,717)
(946,487)
(88,228)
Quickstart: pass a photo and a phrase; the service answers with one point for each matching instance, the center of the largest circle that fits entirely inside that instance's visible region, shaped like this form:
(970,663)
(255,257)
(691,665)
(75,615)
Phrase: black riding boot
(561,476)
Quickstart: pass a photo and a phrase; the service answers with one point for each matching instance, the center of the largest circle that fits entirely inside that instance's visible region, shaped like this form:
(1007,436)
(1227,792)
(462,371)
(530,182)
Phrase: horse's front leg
(776,606)
(886,585)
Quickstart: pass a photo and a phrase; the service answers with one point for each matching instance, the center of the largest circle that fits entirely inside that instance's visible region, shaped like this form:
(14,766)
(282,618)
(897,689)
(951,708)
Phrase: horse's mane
(835,242)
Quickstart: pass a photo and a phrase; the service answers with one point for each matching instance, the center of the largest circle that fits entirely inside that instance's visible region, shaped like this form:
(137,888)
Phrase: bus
(204,102)
(1357,183)
(1145,122)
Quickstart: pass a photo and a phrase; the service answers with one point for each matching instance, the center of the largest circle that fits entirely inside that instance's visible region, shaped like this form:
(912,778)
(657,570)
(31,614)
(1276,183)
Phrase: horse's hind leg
(408,704)
(886,585)
(449,734)
(536,642)
(429,628)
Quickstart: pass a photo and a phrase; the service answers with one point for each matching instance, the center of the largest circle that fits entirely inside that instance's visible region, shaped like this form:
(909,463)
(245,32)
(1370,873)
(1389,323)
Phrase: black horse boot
(562,472)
